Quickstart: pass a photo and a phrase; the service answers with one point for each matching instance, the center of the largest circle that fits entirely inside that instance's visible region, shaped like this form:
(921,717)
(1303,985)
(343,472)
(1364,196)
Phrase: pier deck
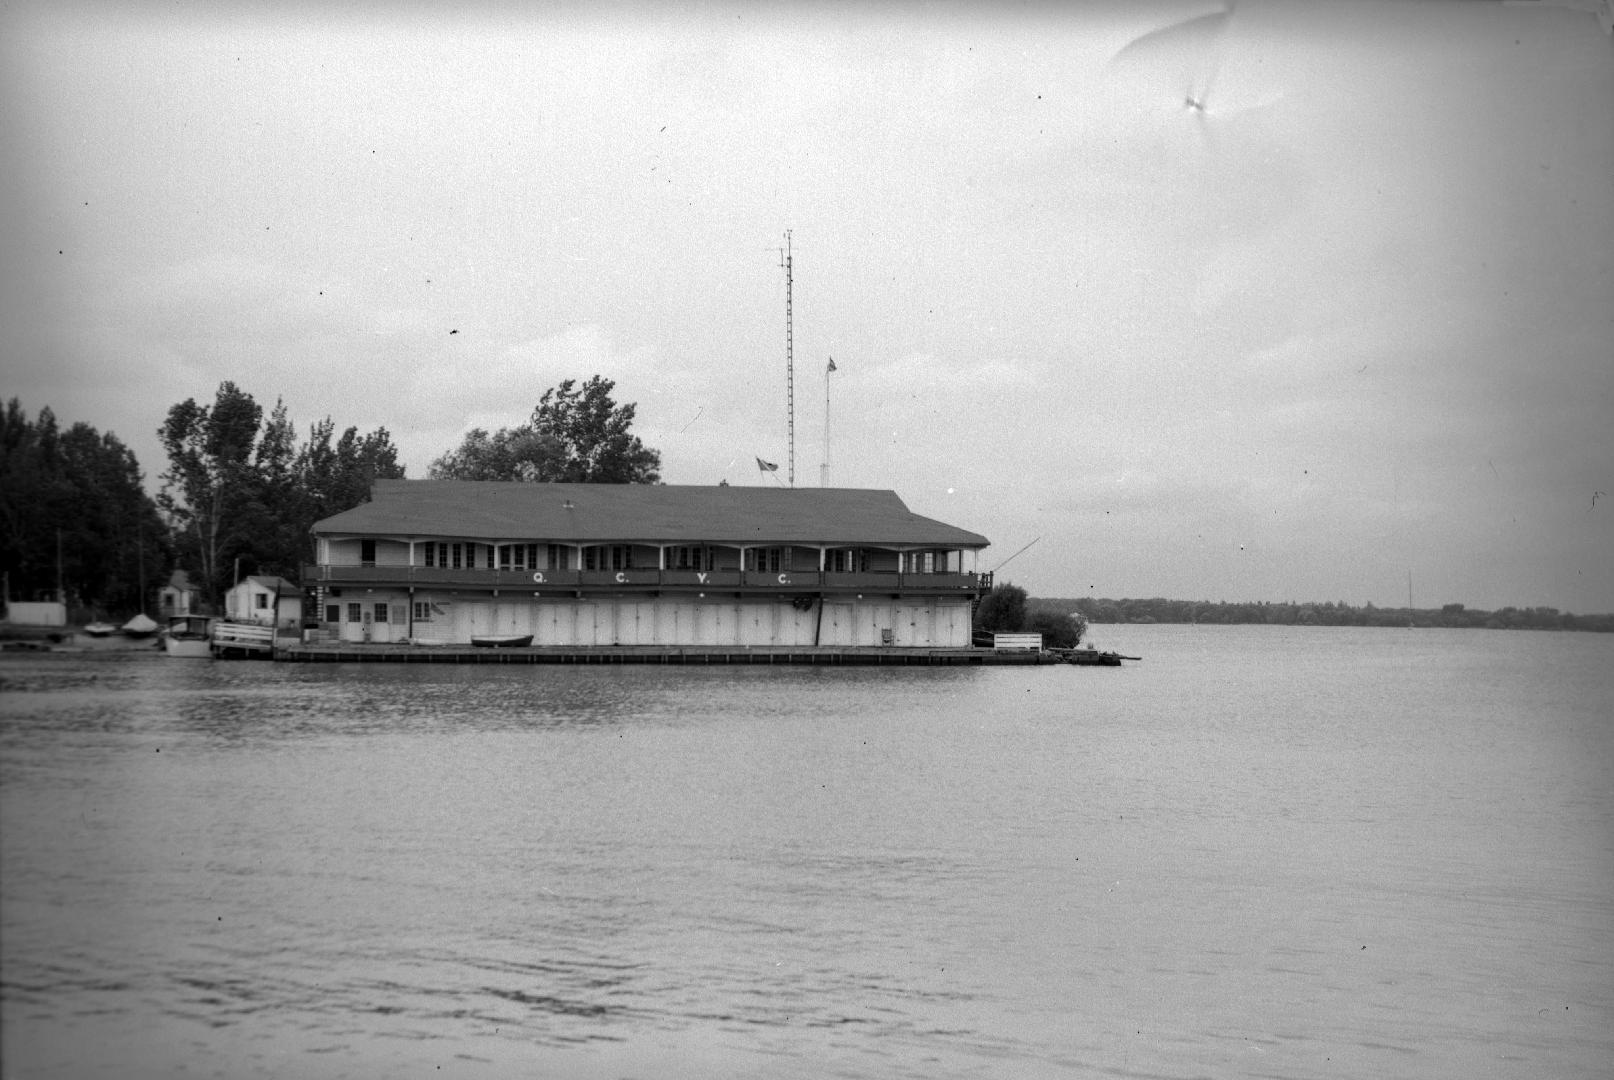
(348,653)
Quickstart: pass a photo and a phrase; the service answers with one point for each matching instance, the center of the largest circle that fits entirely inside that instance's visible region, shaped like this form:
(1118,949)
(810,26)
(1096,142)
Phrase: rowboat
(100,629)
(501,641)
(1091,657)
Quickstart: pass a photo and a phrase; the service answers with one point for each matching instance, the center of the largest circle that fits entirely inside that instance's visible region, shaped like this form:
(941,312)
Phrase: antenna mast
(790,362)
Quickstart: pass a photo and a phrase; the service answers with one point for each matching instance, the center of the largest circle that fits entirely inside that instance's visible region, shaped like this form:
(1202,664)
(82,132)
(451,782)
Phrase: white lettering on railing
(538,578)
(784,579)
(701,577)
(621,578)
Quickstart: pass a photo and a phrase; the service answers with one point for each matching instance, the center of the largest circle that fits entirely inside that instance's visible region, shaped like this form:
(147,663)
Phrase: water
(1262,852)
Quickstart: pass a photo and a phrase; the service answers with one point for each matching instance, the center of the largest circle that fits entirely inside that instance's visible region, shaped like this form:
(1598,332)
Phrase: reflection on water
(1356,861)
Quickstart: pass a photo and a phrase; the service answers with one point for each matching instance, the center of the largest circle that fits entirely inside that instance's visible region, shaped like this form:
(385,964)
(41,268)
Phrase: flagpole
(823,470)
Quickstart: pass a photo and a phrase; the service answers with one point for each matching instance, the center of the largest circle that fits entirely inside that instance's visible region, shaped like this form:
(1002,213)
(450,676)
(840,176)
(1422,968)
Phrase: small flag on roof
(831,365)
(767,466)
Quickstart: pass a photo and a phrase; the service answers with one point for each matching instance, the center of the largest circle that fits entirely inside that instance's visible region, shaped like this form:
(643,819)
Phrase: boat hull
(188,648)
(501,641)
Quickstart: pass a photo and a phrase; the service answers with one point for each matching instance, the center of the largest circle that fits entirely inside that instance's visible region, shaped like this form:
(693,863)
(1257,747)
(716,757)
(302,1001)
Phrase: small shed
(266,600)
(179,597)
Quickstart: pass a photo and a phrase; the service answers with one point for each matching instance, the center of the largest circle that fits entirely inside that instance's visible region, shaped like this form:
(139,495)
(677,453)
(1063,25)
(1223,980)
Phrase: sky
(1287,301)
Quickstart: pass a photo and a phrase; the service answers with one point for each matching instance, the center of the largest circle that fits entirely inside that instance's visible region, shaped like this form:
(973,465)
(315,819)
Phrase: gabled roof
(270,582)
(650,513)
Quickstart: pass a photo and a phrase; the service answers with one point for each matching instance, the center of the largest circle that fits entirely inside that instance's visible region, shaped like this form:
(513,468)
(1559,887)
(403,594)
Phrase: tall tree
(73,509)
(211,476)
(575,435)
(337,477)
(239,488)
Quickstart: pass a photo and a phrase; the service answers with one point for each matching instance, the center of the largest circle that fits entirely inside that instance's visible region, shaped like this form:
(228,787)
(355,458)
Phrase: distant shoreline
(1221,612)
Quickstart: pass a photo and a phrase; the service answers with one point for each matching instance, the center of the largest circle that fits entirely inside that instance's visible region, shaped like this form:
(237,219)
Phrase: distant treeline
(1158,610)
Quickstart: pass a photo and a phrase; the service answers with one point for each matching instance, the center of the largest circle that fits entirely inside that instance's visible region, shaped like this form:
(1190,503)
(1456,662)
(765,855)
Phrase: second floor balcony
(693,582)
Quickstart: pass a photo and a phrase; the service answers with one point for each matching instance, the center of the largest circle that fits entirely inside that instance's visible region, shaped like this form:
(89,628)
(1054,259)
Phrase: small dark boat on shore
(501,641)
(1091,657)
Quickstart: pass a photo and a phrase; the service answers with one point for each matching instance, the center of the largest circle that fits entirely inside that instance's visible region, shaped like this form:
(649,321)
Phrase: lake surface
(1262,852)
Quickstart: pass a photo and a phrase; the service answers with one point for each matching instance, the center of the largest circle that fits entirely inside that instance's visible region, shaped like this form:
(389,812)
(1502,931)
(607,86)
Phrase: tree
(73,510)
(209,475)
(1002,610)
(575,435)
(240,489)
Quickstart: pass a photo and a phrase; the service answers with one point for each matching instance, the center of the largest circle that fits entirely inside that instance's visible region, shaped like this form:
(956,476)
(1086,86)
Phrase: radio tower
(790,365)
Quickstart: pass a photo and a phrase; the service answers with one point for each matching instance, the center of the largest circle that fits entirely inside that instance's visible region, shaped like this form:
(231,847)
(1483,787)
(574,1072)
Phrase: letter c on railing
(784,579)
(538,578)
(621,578)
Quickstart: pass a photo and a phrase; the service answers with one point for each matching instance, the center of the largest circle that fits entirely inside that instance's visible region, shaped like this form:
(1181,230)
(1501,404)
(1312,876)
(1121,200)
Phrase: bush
(1058,631)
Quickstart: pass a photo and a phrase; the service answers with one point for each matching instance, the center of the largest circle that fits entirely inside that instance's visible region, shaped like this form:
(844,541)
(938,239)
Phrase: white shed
(266,600)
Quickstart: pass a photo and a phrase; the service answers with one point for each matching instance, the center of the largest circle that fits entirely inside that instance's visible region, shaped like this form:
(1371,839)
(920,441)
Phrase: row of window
(470,555)
(379,612)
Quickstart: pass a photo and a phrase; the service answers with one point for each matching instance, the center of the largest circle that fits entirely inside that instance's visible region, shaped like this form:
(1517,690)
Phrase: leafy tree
(73,507)
(239,488)
(575,435)
(333,478)
(1002,610)
(210,480)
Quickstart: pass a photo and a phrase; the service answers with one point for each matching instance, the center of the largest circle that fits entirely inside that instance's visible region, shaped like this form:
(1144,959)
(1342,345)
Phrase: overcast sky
(1284,304)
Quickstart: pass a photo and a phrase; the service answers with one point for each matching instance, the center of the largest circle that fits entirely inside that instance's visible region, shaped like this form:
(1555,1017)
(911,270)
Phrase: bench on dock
(233,640)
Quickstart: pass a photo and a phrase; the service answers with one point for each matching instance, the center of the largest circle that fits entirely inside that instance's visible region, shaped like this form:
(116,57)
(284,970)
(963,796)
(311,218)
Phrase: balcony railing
(750,581)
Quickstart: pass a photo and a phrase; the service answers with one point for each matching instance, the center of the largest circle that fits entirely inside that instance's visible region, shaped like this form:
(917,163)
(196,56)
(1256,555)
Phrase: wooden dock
(871,656)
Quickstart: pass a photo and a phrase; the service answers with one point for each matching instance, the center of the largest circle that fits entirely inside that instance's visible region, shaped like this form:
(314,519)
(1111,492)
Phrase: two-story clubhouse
(442,561)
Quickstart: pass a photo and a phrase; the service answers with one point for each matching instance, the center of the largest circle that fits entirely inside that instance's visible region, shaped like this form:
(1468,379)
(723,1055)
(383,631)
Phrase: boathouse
(443,561)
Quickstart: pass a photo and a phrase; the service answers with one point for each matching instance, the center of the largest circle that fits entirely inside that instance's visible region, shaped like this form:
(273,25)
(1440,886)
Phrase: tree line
(1159,610)
(242,490)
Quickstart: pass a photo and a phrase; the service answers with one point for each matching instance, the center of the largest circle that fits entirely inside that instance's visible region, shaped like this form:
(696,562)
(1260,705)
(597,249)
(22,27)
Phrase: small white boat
(100,629)
(189,637)
(141,626)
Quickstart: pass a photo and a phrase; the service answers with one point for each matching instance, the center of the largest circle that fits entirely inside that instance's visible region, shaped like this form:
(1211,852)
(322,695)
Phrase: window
(455,553)
(423,611)
(260,600)
(333,612)
(355,613)
(559,557)
(367,552)
(431,553)
(767,560)
(381,612)
(846,561)
(689,558)
(608,557)
(924,562)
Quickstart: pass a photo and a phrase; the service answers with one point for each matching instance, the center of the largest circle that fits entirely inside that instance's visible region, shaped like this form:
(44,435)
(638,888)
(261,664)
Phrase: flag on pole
(831,365)
(767,466)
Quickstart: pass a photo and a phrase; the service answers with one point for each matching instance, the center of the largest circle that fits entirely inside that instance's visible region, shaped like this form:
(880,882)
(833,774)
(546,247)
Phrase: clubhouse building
(445,561)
